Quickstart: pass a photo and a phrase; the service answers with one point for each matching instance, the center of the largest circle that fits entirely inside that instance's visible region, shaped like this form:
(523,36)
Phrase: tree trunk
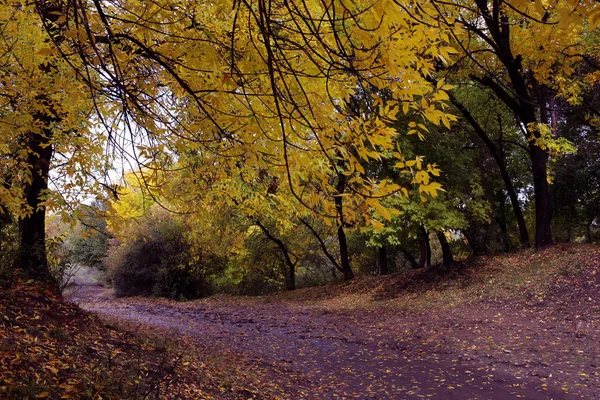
(339,206)
(447,257)
(411,259)
(344,256)
(424,248)
(329,256)
(382,260)
(32,228)
(290,281)
(543,211)
(502,223)
(428,246)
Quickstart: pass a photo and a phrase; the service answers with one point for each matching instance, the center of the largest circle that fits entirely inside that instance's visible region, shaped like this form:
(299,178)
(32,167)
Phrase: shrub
(155,260)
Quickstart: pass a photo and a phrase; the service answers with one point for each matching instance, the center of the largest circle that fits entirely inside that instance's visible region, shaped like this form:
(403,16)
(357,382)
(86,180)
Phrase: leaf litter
(521,325)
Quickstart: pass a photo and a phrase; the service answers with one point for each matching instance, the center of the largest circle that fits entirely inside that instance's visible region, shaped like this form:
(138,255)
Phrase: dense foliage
(254,146)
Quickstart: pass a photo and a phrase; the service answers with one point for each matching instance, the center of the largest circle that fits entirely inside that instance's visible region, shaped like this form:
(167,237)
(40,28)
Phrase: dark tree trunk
(330,256)
(428,246)
(339,206)
(424,248)
(447,257)
(477,237)
(344,256)
(32,228)
(290,281)
(422,253)
(411,259)
(382,261)
(502,223)
(543,211)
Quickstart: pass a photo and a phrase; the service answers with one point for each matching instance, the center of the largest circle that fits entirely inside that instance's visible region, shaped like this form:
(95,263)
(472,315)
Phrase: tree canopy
(300,115)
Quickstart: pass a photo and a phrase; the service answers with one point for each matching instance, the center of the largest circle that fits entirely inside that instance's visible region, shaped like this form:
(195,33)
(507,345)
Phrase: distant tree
(88,242)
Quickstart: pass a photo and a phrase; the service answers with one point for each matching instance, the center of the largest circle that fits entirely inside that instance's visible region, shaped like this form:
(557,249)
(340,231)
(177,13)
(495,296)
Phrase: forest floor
(520,325)
(524,325)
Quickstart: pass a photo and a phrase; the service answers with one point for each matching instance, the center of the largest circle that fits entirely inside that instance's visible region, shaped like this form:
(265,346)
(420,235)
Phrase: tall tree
(46,124)
(260,85)
(500,160)
(517,50)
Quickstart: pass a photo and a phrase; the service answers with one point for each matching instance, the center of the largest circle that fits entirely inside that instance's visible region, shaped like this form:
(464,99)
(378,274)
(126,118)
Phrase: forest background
(272,145)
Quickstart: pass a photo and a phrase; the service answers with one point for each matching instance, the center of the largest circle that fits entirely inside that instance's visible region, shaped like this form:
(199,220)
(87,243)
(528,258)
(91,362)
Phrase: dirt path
(489,353)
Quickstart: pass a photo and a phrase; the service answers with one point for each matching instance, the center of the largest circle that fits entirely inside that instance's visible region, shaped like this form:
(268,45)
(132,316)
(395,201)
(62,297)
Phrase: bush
(156,260)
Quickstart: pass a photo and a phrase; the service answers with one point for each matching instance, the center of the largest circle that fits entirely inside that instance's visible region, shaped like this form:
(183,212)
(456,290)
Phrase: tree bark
(32,228)
(424,248)
(543,210)
(382,261)
(344,256)
(343,243)
(428,245)
(291,281)
(502,224)
(447,257)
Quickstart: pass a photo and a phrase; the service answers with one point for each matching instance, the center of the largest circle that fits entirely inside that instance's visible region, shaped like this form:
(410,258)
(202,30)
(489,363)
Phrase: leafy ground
(521,325)
(52,349)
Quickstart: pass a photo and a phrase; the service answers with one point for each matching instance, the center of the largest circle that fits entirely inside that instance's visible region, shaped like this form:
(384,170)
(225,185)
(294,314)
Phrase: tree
(500,160)
(46,123)
(576,178)
(525,53)
(264,81)
(461,202)
(263,87)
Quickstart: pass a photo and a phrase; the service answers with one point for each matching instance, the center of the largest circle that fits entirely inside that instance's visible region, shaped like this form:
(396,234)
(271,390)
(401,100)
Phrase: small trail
(362,355)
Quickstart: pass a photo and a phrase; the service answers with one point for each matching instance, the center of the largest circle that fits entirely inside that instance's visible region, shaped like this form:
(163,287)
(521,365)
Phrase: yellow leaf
(378,226)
